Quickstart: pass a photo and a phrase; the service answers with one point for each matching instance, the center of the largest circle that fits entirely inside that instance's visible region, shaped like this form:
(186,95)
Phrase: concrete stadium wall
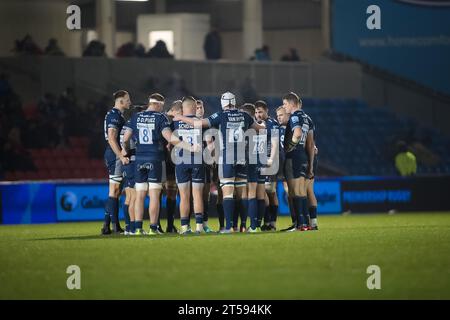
(98,76)
(308,43)
(42,19)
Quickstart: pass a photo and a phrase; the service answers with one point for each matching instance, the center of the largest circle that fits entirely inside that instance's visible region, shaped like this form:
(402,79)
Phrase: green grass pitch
(412,250)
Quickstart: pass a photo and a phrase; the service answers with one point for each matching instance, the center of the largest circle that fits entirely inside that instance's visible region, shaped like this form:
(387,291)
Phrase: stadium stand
(342,137)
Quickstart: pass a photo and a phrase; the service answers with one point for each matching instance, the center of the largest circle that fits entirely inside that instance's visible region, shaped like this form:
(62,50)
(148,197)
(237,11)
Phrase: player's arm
(126,141)
(196,123)
(296,138)
(112,140)
(173,139)
(274,141)
(310,150)
(257,126)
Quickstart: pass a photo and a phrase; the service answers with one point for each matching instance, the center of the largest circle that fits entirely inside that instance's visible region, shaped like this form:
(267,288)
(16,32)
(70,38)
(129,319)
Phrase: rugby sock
(261,211)
(313,216)
(138,224)
(267,215)
(292,210)
(205,210)
(198,222)
(170,206)
(107,219)
(185,221)
(253,212)
(273,214)
(132,226)
(126,215)
(298,206)
(220,213)
(185,224)
(244,212)
(236,213)
(228,209)
(112,207)
(305,210)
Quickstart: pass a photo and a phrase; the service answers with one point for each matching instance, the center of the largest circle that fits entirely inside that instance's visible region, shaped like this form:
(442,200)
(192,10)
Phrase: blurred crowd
(212,47)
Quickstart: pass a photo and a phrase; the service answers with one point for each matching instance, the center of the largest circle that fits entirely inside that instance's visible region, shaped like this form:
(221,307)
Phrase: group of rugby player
(243,151)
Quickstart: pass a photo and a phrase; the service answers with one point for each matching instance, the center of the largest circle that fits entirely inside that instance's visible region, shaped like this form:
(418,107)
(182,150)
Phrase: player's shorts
(128,175)
(190,172)
(315,165)
(253,174)
(227,171)
(295,168)
(114,166)
(153,171)
(207,173)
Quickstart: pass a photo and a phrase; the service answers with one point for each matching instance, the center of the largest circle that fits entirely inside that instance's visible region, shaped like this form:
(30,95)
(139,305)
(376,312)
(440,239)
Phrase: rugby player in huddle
(252,151)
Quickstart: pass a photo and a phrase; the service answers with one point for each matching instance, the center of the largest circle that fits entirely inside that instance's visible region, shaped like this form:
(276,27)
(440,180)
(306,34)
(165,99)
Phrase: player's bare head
(282,116)
(175,108)
(291,101)
(261,110)
(189,105)
(122,99)
(248,108)
(156,102)
(200,110)
(228,100)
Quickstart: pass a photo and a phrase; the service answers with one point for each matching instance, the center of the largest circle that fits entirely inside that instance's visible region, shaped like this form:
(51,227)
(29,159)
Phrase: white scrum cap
(227,99)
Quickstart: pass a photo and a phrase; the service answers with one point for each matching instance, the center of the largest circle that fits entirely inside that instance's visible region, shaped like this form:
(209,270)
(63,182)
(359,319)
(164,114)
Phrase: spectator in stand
(125,50)
(95,49)
(17,157)
(262,54)
(159,51)
(53,48)
(213,45)
(405,160)
(291,56)
(27,46)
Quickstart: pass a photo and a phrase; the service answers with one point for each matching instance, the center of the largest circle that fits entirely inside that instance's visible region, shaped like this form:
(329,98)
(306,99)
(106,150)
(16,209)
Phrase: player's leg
(219,207)
(130,186)
(171,205)
(252,182)
(184,189)
(112,203)
(141,186)
(141,193)
(154,193)
(252,206)
(171,196)
(183,178)
(131,211)
(227,180)
(198,178)
(302,181)
(296,185)
(261,199)
(197,195)
(206,199)
(156,178)
(312,204)
(242,196)
(271,191)
(290,200)
(126,206)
